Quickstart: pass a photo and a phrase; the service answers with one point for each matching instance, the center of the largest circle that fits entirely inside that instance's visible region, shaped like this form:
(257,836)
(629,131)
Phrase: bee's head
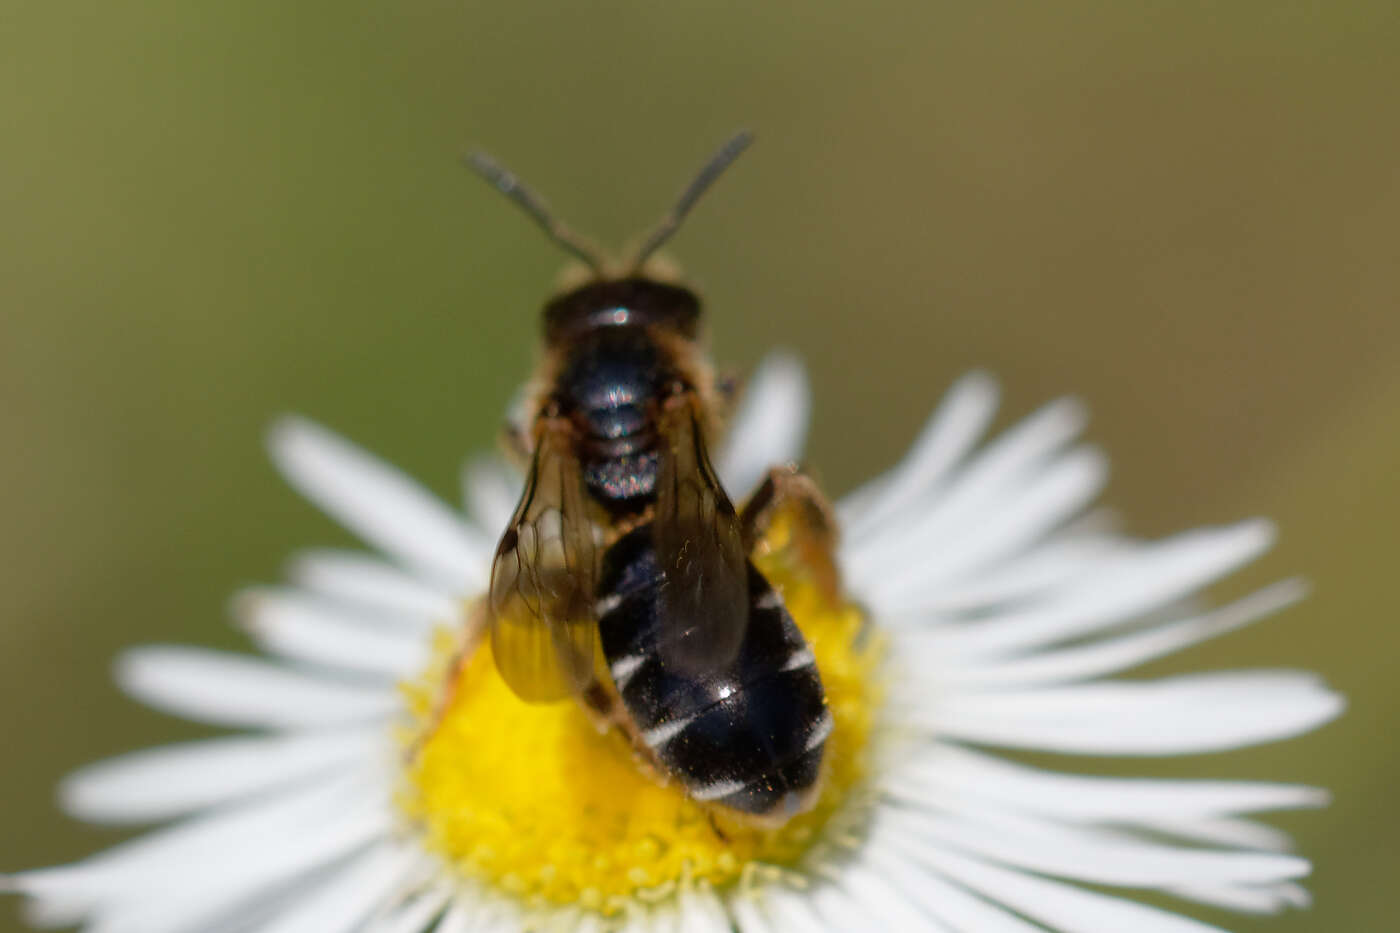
(630,292)
(633,301)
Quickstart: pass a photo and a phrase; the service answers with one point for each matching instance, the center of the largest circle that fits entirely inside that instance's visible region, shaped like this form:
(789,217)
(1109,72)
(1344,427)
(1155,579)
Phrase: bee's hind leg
(789,492)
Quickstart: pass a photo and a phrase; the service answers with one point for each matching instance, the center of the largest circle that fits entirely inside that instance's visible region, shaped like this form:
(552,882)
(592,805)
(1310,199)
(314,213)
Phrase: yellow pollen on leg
(532,800)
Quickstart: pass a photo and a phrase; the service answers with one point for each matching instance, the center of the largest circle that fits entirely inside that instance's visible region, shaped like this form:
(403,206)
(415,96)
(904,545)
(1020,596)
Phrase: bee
(623,580)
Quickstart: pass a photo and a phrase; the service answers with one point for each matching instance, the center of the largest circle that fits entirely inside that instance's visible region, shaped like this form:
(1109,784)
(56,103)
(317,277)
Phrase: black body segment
(608,386)
(750,734)
(635,301)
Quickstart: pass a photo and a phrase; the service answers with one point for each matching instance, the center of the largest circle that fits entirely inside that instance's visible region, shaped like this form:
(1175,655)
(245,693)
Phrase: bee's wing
(704,597)
(543,633)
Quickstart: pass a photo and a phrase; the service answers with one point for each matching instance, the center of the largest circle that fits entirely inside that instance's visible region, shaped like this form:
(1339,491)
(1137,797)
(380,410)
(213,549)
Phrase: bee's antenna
(720,161)
(504,181)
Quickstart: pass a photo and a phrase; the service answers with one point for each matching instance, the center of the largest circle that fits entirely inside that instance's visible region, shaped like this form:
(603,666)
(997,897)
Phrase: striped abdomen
(749,736)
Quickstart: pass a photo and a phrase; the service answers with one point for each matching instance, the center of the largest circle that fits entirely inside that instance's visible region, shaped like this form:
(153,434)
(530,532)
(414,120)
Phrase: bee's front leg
(787,491)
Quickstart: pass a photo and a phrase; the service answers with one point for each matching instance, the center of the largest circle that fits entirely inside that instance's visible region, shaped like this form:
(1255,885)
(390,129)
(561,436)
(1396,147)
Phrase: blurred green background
(212,213)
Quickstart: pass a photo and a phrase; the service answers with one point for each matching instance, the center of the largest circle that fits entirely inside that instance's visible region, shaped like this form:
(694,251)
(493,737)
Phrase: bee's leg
(469,639)
(786,490)
(604,707)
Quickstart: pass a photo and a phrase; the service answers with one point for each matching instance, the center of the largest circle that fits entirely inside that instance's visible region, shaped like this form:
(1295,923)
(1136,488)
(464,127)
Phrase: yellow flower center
(533,800)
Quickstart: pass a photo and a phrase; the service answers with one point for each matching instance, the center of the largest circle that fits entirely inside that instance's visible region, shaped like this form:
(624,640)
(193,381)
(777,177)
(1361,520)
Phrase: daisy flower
(985,612)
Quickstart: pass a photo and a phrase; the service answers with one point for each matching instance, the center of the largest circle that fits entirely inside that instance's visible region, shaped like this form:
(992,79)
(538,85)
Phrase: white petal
(1057,562)
(196,869)
(946,438)
(500,921)
(160,783)
(1172,716)
(1267,899)
(364,581)
(247,916)
(1241,895)
(458,920)
(1060,907)
(590,923)
(1060,491)
(351,895)
(636,923)
(193,901)
(492,489)
(645,921)
(418,913)
(1124,587)
(792,912)
(236,690)
(1229,832)
(770,426)
(836,909)
(464,917)
(748,916)
(380,504)
(1113,655)
(700,911)
(1003,466)
(302,628)
(875,899)
(957,908)
(679,919)
(1087,855)
(219,831)
(965,777)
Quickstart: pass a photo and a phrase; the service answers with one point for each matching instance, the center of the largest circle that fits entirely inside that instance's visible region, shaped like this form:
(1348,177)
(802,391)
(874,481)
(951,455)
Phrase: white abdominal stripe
(623,669)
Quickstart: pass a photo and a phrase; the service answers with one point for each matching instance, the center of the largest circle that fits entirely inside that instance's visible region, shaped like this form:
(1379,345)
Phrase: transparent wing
(704,598)
(543,633)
